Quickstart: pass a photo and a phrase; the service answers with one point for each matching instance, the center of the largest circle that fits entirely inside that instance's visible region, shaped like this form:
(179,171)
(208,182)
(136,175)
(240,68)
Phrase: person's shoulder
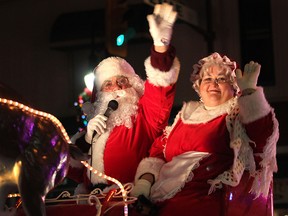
(190,104)
(189,107)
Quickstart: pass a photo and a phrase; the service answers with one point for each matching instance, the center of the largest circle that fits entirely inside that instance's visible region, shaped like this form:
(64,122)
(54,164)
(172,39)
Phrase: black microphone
(112,106)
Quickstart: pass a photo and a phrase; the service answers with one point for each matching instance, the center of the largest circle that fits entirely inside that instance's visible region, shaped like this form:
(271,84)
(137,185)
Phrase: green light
(120,40)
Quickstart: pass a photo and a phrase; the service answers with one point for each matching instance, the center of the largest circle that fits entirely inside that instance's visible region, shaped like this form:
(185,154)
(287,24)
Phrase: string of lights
(65,135)
(37,113)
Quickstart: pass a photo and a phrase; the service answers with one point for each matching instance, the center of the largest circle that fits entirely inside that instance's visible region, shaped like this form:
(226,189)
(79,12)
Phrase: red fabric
(195,137)
(239,202)
(258,134)
(125,148)
(212,137)
(71,210)
(231,201)
(78,210)
(163,61)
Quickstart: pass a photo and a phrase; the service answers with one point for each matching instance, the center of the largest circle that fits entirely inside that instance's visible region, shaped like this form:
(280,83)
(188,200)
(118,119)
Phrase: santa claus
(118,142)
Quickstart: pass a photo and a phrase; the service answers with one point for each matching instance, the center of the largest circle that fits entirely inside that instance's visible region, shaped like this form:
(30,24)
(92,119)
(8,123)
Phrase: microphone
(112,106)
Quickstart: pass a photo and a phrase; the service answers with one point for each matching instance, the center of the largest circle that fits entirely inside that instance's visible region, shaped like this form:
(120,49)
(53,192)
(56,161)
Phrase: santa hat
(109,67)
(114,66)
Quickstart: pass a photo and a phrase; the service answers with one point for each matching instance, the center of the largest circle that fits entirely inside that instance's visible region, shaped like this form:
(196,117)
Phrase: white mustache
(121,93)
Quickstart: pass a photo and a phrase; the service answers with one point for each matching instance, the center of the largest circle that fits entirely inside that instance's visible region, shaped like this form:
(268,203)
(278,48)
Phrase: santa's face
(115,83)
(127,106)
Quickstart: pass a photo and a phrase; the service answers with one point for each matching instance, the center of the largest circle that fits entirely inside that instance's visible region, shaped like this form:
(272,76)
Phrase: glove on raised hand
(161,24)
(98,124)
(249,78)
(142,187)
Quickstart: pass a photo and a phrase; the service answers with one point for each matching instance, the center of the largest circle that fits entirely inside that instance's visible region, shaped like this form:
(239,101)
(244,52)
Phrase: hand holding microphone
(97,125)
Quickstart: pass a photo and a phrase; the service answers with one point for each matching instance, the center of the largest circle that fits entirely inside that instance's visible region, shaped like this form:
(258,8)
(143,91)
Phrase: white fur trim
(99,143)
(109,67)
(254,106)
(188,108)
(160,78)
(149,165)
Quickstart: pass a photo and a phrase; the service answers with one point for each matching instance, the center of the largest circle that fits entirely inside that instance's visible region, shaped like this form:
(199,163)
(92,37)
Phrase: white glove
(142,187)
(161,24)
(98,124)
(249,78)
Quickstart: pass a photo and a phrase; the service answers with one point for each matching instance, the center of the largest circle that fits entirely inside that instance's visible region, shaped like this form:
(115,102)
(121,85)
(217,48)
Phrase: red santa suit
(119,150)
(216,161)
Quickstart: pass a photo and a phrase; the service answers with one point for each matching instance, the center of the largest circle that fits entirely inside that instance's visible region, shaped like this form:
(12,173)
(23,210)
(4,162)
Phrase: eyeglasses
(121,81)
(218,80)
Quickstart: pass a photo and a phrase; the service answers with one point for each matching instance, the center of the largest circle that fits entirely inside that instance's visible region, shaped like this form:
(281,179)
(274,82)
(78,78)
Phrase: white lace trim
(175,174)
(195,113)
(243,153)
(244,160)
(264,177)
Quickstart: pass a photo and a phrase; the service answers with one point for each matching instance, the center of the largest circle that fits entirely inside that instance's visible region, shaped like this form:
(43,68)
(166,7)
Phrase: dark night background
(47,46)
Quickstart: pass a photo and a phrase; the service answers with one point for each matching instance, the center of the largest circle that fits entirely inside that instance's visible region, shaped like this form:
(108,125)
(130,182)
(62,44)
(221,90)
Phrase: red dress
(209,133)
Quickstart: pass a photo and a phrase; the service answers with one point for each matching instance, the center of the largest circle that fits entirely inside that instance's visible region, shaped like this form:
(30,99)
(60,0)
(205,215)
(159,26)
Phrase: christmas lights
(38,113)
(102,175)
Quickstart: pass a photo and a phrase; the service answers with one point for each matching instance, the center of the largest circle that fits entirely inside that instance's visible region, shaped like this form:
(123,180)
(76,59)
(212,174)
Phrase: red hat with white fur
(113,66)
(109,67)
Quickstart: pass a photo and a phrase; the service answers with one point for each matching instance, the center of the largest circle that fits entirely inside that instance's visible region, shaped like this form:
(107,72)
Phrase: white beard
(127,106)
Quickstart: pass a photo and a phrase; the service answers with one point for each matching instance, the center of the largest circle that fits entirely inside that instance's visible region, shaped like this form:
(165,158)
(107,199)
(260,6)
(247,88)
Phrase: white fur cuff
(254,106)
(160,78)
(149,165)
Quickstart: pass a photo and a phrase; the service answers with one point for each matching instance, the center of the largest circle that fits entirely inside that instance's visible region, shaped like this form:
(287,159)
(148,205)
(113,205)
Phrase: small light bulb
(120,40)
